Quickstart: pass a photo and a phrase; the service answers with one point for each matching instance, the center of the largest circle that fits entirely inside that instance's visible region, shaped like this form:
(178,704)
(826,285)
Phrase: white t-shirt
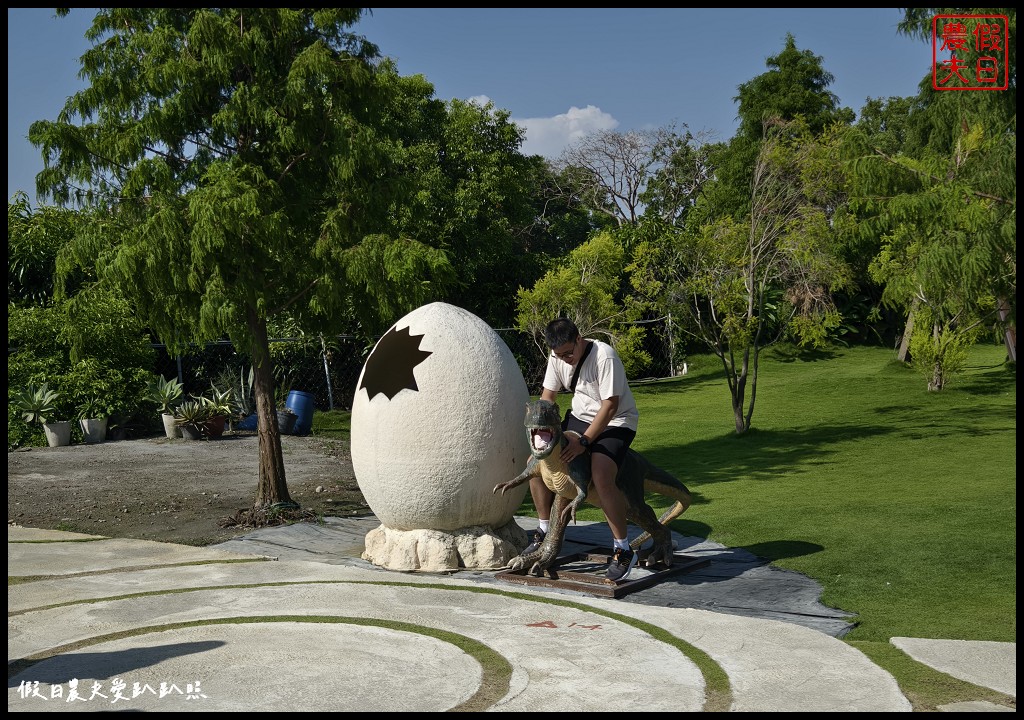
(602,376)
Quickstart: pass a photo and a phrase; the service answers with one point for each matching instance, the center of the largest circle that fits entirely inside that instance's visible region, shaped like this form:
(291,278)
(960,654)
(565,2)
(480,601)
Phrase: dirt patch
(172,490)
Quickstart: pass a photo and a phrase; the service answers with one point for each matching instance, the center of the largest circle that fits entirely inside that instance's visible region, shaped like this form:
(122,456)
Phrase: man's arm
(609,406)
(604,416)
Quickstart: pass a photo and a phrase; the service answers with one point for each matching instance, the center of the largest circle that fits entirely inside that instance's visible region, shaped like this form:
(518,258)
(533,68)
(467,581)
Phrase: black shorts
(613,442)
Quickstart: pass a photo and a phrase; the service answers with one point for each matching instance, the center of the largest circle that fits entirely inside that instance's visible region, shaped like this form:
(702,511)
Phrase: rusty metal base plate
(584,572)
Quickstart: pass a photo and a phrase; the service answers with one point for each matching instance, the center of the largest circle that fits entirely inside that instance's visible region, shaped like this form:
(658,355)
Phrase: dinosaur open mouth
(541,438)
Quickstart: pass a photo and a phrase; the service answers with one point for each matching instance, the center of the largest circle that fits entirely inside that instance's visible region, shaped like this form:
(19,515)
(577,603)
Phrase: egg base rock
(476,548)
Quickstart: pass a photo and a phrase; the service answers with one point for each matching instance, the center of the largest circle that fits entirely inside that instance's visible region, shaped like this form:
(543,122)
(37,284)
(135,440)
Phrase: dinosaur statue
(571,485)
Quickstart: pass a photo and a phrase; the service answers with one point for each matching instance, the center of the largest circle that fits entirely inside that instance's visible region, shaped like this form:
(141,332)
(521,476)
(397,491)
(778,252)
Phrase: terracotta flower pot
(214,427)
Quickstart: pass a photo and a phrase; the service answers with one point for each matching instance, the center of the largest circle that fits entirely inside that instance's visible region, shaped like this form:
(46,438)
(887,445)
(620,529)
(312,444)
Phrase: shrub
(84,351)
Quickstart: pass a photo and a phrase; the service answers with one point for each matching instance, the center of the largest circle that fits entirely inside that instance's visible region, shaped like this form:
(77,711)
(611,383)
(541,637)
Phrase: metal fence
(329,367)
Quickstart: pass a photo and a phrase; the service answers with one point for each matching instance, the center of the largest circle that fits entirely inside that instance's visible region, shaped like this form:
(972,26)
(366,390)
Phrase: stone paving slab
(338,633)
(988,664)
(550,646)
(104,554)
(735,582)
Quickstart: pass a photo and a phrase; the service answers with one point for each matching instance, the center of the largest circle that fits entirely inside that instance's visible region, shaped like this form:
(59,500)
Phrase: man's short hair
(559,332)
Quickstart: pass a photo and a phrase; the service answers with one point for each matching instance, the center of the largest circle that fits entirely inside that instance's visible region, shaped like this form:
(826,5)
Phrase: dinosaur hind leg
(668,516)
(667,485)
(661,551)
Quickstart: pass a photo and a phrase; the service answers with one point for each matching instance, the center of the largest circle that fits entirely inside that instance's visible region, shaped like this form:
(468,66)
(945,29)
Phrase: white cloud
(549,136)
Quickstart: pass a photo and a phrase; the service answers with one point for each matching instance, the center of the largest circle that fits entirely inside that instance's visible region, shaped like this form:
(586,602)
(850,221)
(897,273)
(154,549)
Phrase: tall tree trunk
(938,373)
(1010,334)
(904,352)
(737,412)
(272,488)
(739,394)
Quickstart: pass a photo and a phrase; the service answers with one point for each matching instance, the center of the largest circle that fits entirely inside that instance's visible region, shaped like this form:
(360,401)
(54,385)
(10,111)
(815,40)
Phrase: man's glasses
(566,354)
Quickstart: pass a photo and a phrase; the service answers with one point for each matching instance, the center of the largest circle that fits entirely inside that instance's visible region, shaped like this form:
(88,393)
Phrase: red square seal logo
(969,52)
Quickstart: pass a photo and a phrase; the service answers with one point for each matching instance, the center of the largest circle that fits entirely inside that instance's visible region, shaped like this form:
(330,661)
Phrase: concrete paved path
(111,624)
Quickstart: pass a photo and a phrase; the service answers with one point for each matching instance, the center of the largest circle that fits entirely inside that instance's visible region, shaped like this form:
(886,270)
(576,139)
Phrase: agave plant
(165,393)
(191,412)
(36,403)
(218,403)
(244,404)
(94,407)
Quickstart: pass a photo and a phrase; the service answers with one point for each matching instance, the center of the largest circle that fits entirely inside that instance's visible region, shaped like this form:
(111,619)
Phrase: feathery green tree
(941,203)
(242,171)
(948,241)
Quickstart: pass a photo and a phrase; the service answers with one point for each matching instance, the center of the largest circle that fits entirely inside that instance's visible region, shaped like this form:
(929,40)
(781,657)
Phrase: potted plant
(36,404)
(93,416)
(166,394)
(190,416)
(117,427)
(286,418)
(219,406)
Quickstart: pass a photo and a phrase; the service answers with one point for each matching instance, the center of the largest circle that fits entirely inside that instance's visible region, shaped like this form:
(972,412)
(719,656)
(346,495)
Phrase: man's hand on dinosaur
(573,449)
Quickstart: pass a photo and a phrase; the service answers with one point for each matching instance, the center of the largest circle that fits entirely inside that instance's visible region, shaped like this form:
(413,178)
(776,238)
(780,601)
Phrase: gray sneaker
(623,561)
(538,538)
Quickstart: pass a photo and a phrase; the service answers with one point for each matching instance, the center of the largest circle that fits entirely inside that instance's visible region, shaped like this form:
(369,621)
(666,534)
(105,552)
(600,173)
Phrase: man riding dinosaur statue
(571,485)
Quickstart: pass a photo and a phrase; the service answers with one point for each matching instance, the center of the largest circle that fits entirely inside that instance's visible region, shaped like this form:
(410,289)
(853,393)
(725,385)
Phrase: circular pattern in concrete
(333,666)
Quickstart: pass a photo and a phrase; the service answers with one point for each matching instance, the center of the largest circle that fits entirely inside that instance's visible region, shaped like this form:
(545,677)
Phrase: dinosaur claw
(516,563)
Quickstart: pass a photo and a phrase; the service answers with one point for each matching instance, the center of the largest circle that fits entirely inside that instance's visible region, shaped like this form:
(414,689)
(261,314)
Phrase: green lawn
(900,502)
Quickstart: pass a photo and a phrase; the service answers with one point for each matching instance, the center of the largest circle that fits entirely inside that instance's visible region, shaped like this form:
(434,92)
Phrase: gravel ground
(171,490)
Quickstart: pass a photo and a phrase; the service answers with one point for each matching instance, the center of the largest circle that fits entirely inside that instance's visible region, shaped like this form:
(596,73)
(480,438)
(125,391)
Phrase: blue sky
(560,73)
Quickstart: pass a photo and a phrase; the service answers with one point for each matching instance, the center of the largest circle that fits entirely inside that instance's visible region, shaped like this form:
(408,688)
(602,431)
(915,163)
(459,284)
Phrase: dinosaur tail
(664,483)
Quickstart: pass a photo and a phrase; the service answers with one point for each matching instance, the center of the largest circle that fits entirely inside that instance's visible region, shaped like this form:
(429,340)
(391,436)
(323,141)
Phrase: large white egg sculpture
(437,422)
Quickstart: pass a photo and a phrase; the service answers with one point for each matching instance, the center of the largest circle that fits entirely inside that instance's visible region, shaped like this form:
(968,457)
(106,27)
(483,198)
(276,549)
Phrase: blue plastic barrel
(302,404)
(248,423)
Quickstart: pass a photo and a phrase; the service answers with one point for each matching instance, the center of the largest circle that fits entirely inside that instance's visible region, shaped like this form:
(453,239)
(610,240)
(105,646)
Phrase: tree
(937,193)
(241,170)
(585,290)
(947,239)
(938,128)
(608,172)
(33,241)
(884,124)
(470,193)
(795,86)
(86,348)
(560,224)
(678,180)
(746,284)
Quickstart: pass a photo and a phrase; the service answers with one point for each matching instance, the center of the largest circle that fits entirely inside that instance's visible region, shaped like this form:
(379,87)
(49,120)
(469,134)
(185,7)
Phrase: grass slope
(901,502)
